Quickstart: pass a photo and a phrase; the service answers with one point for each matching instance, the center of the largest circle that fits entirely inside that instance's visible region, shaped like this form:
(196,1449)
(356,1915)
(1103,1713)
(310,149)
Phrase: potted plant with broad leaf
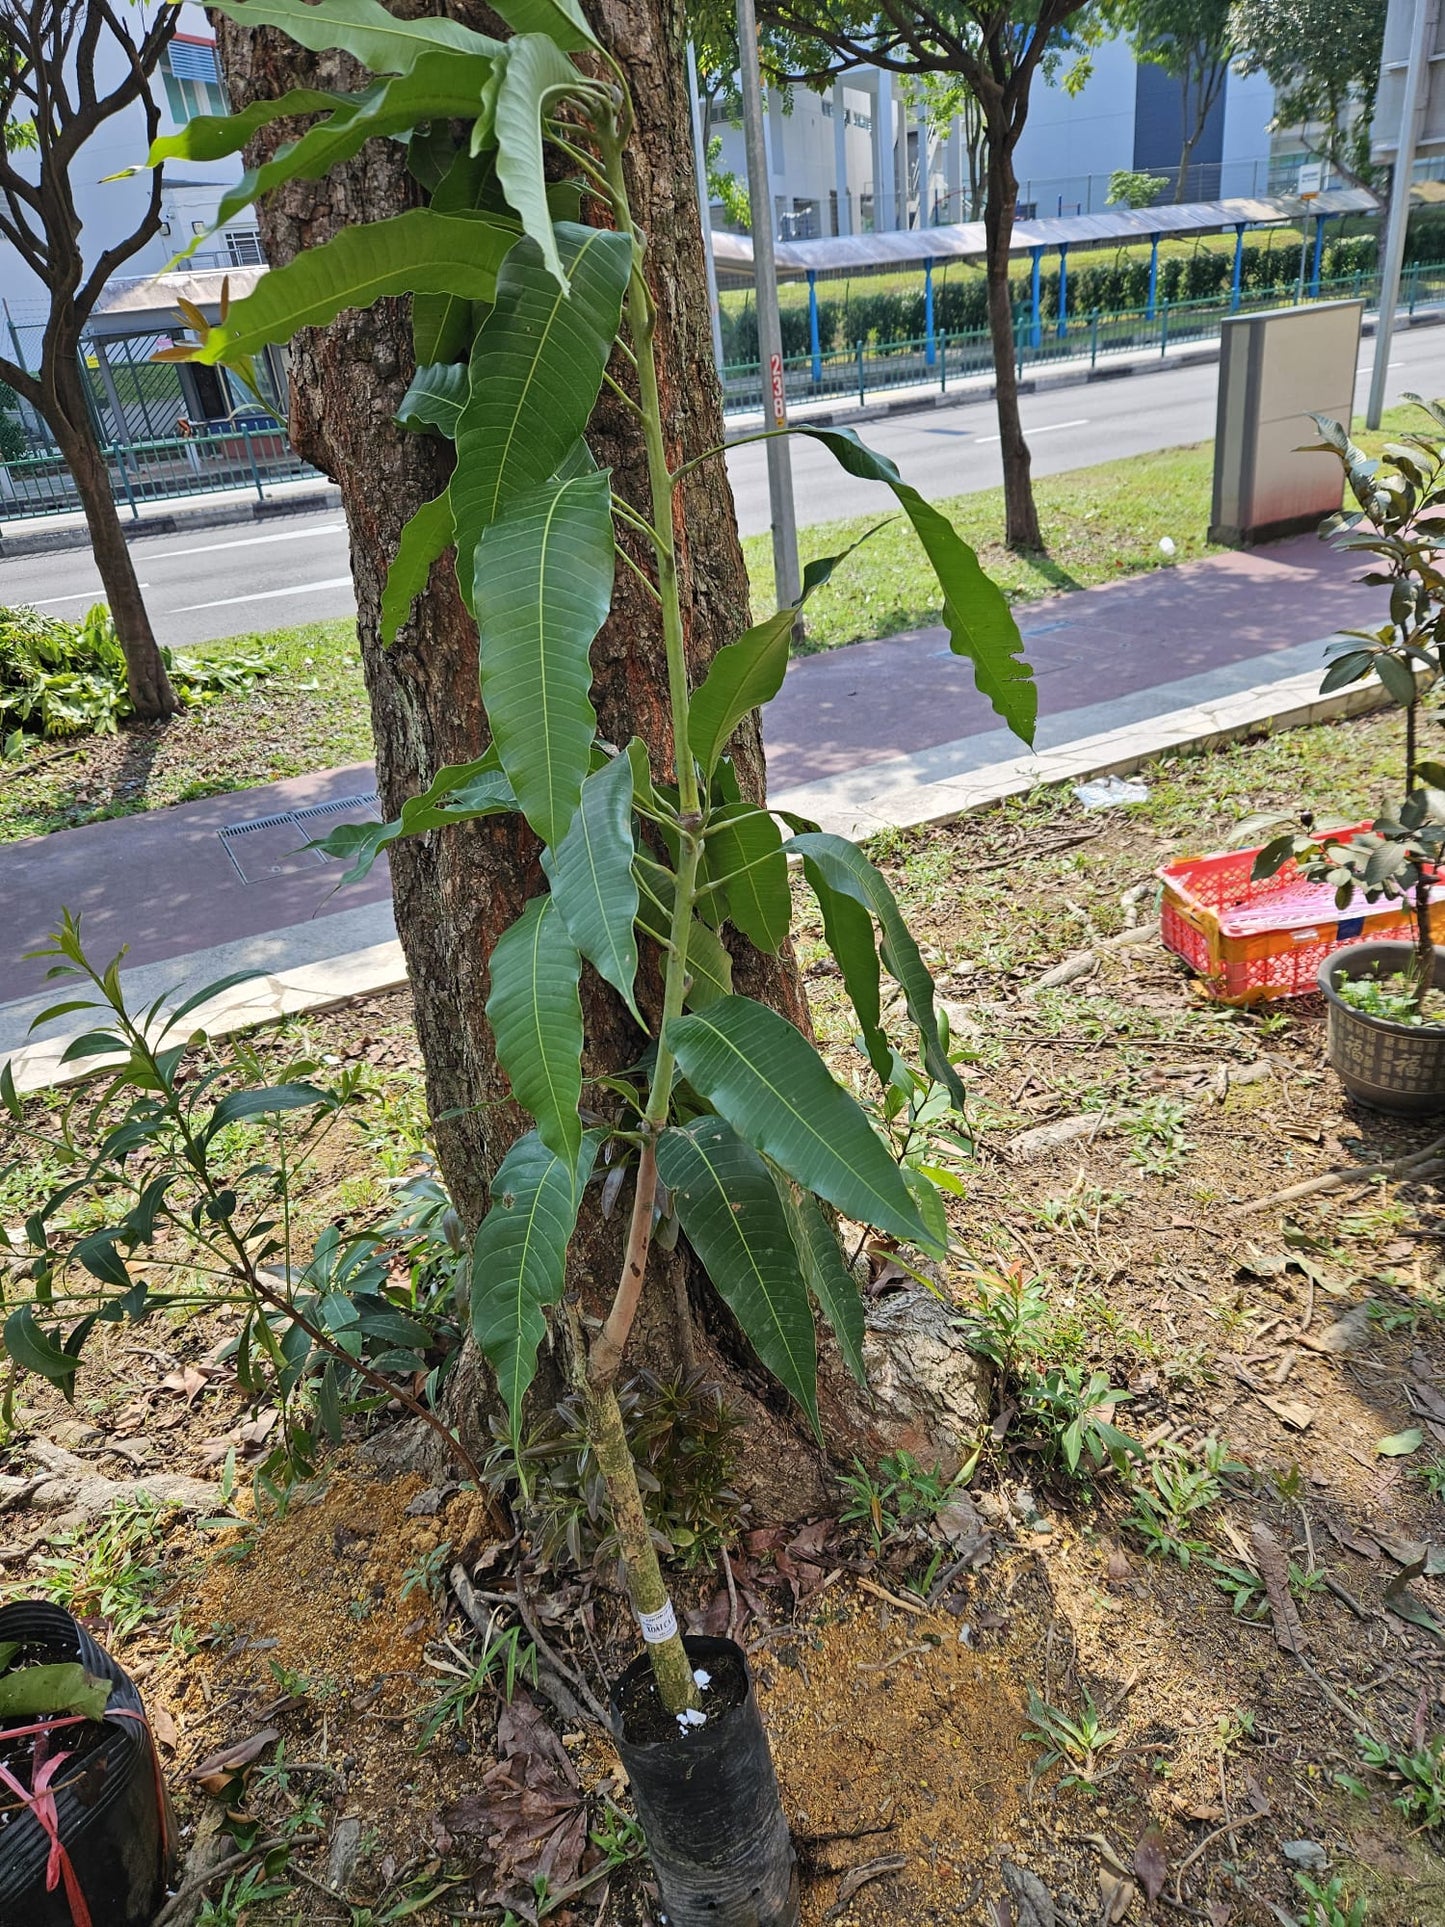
(737,1136)
(1386,1025)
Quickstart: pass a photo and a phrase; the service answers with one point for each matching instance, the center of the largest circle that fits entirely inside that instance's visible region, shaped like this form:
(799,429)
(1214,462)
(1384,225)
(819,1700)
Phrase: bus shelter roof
(910,247)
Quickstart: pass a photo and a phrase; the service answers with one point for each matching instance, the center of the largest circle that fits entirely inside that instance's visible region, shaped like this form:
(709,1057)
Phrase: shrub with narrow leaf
(520,311)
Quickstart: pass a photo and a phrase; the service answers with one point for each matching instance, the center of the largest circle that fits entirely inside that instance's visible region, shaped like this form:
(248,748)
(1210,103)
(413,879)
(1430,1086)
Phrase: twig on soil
(727,1565)
(191,1888)
(1416,1165)
(892,1598)
(517,1601)
(1346,1598)
(1230,1827)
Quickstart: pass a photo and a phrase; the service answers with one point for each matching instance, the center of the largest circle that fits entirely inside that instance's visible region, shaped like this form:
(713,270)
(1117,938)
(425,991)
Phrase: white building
(848,161)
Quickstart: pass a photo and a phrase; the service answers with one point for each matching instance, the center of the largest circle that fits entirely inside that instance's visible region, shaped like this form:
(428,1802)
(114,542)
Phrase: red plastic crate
(1251,941)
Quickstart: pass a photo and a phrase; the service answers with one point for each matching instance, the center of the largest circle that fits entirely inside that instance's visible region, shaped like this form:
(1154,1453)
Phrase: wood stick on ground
(1230,1827)
(892,1598)
(1352,1175)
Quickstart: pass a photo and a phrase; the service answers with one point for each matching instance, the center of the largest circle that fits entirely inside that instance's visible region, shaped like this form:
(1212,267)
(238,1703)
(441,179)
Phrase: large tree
(457,891)
(1323,61)
(67,69)
(997,49)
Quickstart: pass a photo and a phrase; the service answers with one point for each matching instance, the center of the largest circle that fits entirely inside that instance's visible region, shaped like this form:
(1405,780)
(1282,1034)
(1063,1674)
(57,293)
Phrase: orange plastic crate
(1251,941)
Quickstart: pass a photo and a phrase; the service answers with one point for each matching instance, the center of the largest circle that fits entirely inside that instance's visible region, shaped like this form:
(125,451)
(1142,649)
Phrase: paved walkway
(888,731)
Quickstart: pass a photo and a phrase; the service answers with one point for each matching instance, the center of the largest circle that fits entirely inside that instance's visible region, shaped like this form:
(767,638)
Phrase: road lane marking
(248,541)
(96,594)
(264,595)
(1047,429)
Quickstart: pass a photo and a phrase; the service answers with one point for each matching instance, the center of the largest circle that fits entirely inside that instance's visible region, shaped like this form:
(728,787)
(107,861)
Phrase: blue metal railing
(206,463)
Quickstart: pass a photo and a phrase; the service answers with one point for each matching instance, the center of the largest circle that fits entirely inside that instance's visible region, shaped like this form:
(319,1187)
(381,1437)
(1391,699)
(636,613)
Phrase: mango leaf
(426,536)
(211,137)
(519,1259)
(709,967)
(440,86)
(62,1688)
(544,587)
(590,873)
(729,1207)
(746,674)
(435,399)
(976,611)
(844,869)
(34,1350)
(418,251)
(442,325)
(458,793)
(536,367)
(745,856)
(827,1277)
(534,76)
(380,40)
(536,1016)
(770,1084)
(562,20)
(848,928)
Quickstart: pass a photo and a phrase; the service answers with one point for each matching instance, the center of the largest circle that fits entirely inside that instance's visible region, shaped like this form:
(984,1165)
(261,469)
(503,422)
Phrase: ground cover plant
(1272,1367)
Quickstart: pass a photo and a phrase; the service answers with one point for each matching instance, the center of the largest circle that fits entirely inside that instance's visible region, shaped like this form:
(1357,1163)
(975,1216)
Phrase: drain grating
(275,846)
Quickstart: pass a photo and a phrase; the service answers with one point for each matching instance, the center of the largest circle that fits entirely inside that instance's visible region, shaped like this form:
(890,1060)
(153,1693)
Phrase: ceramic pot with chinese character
(1390,1066)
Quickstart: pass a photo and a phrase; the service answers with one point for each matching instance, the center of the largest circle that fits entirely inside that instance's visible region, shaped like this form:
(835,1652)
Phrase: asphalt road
(225,582)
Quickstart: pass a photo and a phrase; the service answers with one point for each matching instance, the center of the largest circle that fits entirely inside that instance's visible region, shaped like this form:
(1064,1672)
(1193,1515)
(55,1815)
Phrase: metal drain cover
(275,846)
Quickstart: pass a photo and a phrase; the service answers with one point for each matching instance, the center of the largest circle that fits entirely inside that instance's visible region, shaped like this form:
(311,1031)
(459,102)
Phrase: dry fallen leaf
(1293,1412)
(1151,1862)
(216,1773)
(1116,1897)
(1274,1570)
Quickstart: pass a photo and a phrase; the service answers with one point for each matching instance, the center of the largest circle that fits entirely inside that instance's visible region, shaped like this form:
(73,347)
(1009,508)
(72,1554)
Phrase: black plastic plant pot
(707,1796)
(96,1846)
(1391,1067)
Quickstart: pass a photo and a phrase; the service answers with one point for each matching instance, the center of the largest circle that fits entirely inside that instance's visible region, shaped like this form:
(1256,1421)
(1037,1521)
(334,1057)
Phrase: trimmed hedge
(893,315)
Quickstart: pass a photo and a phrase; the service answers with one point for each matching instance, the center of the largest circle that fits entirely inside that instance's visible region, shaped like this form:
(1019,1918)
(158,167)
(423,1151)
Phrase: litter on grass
(1111,792)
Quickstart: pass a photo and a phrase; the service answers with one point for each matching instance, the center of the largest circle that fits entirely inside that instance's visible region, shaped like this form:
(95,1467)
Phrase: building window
(192,80)
(243,244)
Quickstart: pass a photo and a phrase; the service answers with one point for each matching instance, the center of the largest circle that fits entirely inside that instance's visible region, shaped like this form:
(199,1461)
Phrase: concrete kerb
(875,804)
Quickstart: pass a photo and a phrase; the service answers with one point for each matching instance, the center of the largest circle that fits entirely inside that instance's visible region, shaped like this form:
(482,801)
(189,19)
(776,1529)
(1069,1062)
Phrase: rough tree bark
(456,891)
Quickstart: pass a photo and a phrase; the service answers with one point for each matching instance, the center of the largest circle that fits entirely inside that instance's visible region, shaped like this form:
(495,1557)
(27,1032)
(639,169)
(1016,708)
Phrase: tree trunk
(456,891)
(150,688)
(1021,517)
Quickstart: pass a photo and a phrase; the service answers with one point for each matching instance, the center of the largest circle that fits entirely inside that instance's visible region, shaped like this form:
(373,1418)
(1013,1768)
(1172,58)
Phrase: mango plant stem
(671,1667)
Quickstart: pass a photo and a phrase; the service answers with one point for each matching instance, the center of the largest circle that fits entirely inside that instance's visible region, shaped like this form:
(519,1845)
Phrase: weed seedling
(1418,1776)
(1432,1476)
(1076,1740)
(1158,1144)
(1328,1903)
(902,1496)
(429,1574)
(505,1658)
(108,1569)
(1175,1490)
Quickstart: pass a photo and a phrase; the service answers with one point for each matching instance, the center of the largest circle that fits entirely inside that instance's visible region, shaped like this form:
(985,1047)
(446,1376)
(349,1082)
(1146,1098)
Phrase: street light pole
(786,573)
(1412,101)
(699,155)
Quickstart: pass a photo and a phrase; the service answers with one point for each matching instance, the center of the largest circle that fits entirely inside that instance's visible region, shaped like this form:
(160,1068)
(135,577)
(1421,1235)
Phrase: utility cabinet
(1275,370)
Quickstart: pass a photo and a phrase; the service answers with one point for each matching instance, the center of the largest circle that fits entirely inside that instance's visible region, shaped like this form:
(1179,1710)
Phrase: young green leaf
(34,1350)
(211,137)
(562,20)
(828,1278)
(729,1207)
(519,1259)
(535,75)
(458,793)
(845,870)
(536,1015)
(976,611)
(745,855)
(426,536)
(709,967)
(848,928)
(593,887)
(435,399)
(268,1102)
(544,588)
(770,1084)
(536,368)
(415,252)
(62,1688)
(382,41)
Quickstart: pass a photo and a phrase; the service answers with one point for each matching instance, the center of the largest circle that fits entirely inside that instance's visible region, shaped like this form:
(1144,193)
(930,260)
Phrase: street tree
(997,49)
(1323,61)
(67,68)
(1191,41)
(471,894)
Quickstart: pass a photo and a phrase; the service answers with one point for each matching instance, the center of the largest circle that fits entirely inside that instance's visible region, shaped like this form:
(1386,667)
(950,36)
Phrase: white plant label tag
(658,1627)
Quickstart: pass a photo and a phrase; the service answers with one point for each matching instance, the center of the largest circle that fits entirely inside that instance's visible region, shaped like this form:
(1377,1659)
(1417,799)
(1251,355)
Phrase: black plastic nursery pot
(1391,1067)
(94,1849)
(707,1796)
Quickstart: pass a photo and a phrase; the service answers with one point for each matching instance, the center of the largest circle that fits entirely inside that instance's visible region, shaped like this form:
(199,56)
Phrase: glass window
(192,80)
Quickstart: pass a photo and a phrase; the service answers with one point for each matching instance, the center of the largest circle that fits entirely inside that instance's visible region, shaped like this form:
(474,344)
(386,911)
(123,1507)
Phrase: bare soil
(908,1736)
